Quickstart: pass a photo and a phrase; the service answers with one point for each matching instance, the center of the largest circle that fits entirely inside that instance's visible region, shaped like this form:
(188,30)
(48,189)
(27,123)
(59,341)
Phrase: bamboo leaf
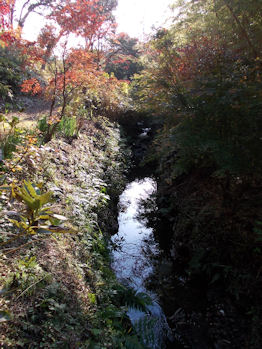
(45,198)
(36,204)
(46,210)
(44,217)
(15,222)
(30,189)
(24,196)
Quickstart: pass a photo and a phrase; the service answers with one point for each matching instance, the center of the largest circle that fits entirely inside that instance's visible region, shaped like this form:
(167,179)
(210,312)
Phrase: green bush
(68,126)
(11,73)
(10,136)
(42,124)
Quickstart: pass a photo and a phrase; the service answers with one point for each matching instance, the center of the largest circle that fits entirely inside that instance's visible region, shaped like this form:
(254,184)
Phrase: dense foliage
(58,290)
(122,57)
(73,81)
(203,77)
(200,83)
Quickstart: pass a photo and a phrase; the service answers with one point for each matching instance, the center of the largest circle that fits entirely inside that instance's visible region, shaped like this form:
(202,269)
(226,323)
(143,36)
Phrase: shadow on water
(132,263)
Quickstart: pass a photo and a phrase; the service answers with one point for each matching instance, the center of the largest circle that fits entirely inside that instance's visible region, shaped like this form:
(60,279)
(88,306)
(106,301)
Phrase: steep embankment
(58,291)
(209,272)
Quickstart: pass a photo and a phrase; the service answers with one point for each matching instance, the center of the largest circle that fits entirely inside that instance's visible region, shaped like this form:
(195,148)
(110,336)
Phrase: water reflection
(131,264)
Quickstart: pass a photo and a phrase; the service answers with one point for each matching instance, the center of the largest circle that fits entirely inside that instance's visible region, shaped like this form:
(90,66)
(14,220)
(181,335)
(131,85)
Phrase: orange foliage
(79,70)
(32,53)
(84,18)
(31,86)
(6,32)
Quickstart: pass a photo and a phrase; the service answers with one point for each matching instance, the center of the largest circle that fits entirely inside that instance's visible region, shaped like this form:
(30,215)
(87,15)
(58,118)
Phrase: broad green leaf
(44,217)
(30,203)
(36,204)
(30,189)
(92,297)
(23,194)
(15,222)
(45,198)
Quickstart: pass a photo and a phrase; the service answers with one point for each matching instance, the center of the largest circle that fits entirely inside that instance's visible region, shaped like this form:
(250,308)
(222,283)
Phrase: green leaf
(15,222)
(24,196)
(30,189)
(2,118)
(46,210)
(92,297)
(45,198)
(43,217)
(36,204)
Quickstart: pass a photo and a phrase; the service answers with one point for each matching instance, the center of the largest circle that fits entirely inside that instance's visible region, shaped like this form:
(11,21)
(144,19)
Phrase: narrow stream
(131,263)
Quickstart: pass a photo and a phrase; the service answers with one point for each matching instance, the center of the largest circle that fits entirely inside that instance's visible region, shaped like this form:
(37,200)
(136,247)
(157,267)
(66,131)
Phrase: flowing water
(131,263)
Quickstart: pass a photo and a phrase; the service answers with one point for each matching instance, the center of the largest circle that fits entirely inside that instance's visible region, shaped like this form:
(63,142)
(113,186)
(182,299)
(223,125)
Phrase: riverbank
(60,292)
(207,273)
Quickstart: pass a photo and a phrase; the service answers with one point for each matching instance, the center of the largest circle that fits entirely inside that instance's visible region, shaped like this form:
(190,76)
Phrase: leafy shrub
(36,217)
(204,82)
(68,126)
(28,277)
(11,74)
(42,124)
(10,135)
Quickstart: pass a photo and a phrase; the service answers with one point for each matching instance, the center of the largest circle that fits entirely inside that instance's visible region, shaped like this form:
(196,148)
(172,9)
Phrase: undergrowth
(61,292)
